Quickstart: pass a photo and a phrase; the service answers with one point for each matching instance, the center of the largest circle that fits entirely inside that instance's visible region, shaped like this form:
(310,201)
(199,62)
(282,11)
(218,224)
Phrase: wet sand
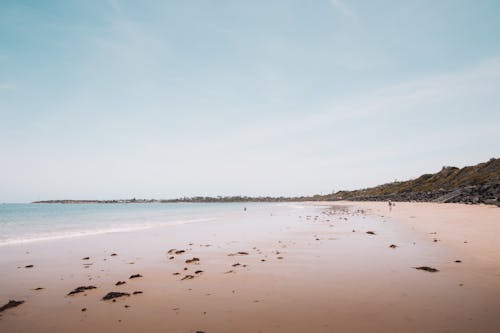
(302,268)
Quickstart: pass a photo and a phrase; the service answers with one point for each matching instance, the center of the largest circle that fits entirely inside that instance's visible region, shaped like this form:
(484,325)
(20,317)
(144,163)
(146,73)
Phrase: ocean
(22,223)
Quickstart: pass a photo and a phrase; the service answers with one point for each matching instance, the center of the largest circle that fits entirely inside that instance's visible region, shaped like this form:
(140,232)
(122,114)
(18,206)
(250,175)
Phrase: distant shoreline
(471,185)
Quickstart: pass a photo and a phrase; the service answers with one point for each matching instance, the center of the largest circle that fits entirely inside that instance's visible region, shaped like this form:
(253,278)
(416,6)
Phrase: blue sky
(160,99)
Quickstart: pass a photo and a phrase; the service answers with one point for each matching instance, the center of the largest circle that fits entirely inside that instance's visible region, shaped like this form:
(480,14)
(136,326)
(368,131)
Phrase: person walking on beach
(390,205)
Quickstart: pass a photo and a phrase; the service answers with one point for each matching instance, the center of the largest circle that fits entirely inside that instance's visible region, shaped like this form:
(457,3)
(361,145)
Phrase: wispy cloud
(115,4)
(6,86)
(460,100)
(344,9)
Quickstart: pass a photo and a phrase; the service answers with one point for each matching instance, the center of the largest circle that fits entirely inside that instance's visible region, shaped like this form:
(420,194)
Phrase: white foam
(91,232)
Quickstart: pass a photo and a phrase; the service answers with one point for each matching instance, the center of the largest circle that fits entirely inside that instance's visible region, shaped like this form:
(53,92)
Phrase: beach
(288,267)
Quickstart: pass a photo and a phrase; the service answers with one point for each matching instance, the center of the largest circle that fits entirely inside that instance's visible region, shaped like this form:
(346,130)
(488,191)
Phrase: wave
(92,232)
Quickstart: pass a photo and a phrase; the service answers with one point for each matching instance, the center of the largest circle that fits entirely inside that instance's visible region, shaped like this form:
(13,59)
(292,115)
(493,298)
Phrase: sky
(163,99)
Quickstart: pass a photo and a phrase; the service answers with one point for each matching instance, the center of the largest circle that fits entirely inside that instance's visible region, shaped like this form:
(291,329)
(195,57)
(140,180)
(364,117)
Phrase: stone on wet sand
(10,304)
(134,276)
(81,290)
(427,269)
(193,260)
(114,294)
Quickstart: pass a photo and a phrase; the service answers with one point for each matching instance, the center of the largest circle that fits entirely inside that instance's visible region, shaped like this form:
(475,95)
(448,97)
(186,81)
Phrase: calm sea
(20,223)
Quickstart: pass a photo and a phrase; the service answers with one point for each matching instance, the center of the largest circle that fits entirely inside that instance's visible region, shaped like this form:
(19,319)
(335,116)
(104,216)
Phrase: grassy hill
(446,180)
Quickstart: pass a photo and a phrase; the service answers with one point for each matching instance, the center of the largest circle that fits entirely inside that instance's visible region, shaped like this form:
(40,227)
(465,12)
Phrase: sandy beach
(305,267)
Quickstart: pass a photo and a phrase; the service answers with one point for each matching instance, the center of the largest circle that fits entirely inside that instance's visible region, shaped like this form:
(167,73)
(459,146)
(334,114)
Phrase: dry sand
(309,269)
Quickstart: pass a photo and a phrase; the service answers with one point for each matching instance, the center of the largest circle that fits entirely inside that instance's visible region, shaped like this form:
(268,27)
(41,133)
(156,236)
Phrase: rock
(137,292)
(458,261)
(114,294)
(392,246)
(180,251)
(29,266)
(193,260)
(187,277)
(86,258)
(113,254)
(198,272)
(134,276)
(10,304)
(370,233)
(119,283)
(84,309)
(427,269)
(38,288)
(236,265)
(81,290)
(240,253)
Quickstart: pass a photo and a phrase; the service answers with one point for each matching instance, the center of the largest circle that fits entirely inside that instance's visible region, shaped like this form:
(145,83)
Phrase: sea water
(21,223)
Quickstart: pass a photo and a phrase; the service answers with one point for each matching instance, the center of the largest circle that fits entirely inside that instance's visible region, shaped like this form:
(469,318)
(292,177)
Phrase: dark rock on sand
(370,233)
(392,246)
(193,260)
(29,266)
(81,290)
(137,292)
(114,294)
(38,288)
(10,304)
(240,253)
(180,251)
(113,254)
(84,309)
(86,258)
(198,272)
(187,277)
(119,283)
(458,261)
(427,269)
(134,276)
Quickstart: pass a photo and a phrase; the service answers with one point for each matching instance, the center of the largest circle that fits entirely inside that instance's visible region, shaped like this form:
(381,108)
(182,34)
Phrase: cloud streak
(345,10)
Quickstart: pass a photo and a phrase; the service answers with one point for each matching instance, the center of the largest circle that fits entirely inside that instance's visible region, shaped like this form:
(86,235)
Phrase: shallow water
(21,223)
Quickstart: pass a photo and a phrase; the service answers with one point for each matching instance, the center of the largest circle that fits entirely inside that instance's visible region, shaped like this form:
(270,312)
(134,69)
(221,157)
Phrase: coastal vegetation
(471,184)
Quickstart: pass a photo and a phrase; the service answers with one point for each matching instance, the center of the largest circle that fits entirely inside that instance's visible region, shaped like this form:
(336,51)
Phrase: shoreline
(311,269)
